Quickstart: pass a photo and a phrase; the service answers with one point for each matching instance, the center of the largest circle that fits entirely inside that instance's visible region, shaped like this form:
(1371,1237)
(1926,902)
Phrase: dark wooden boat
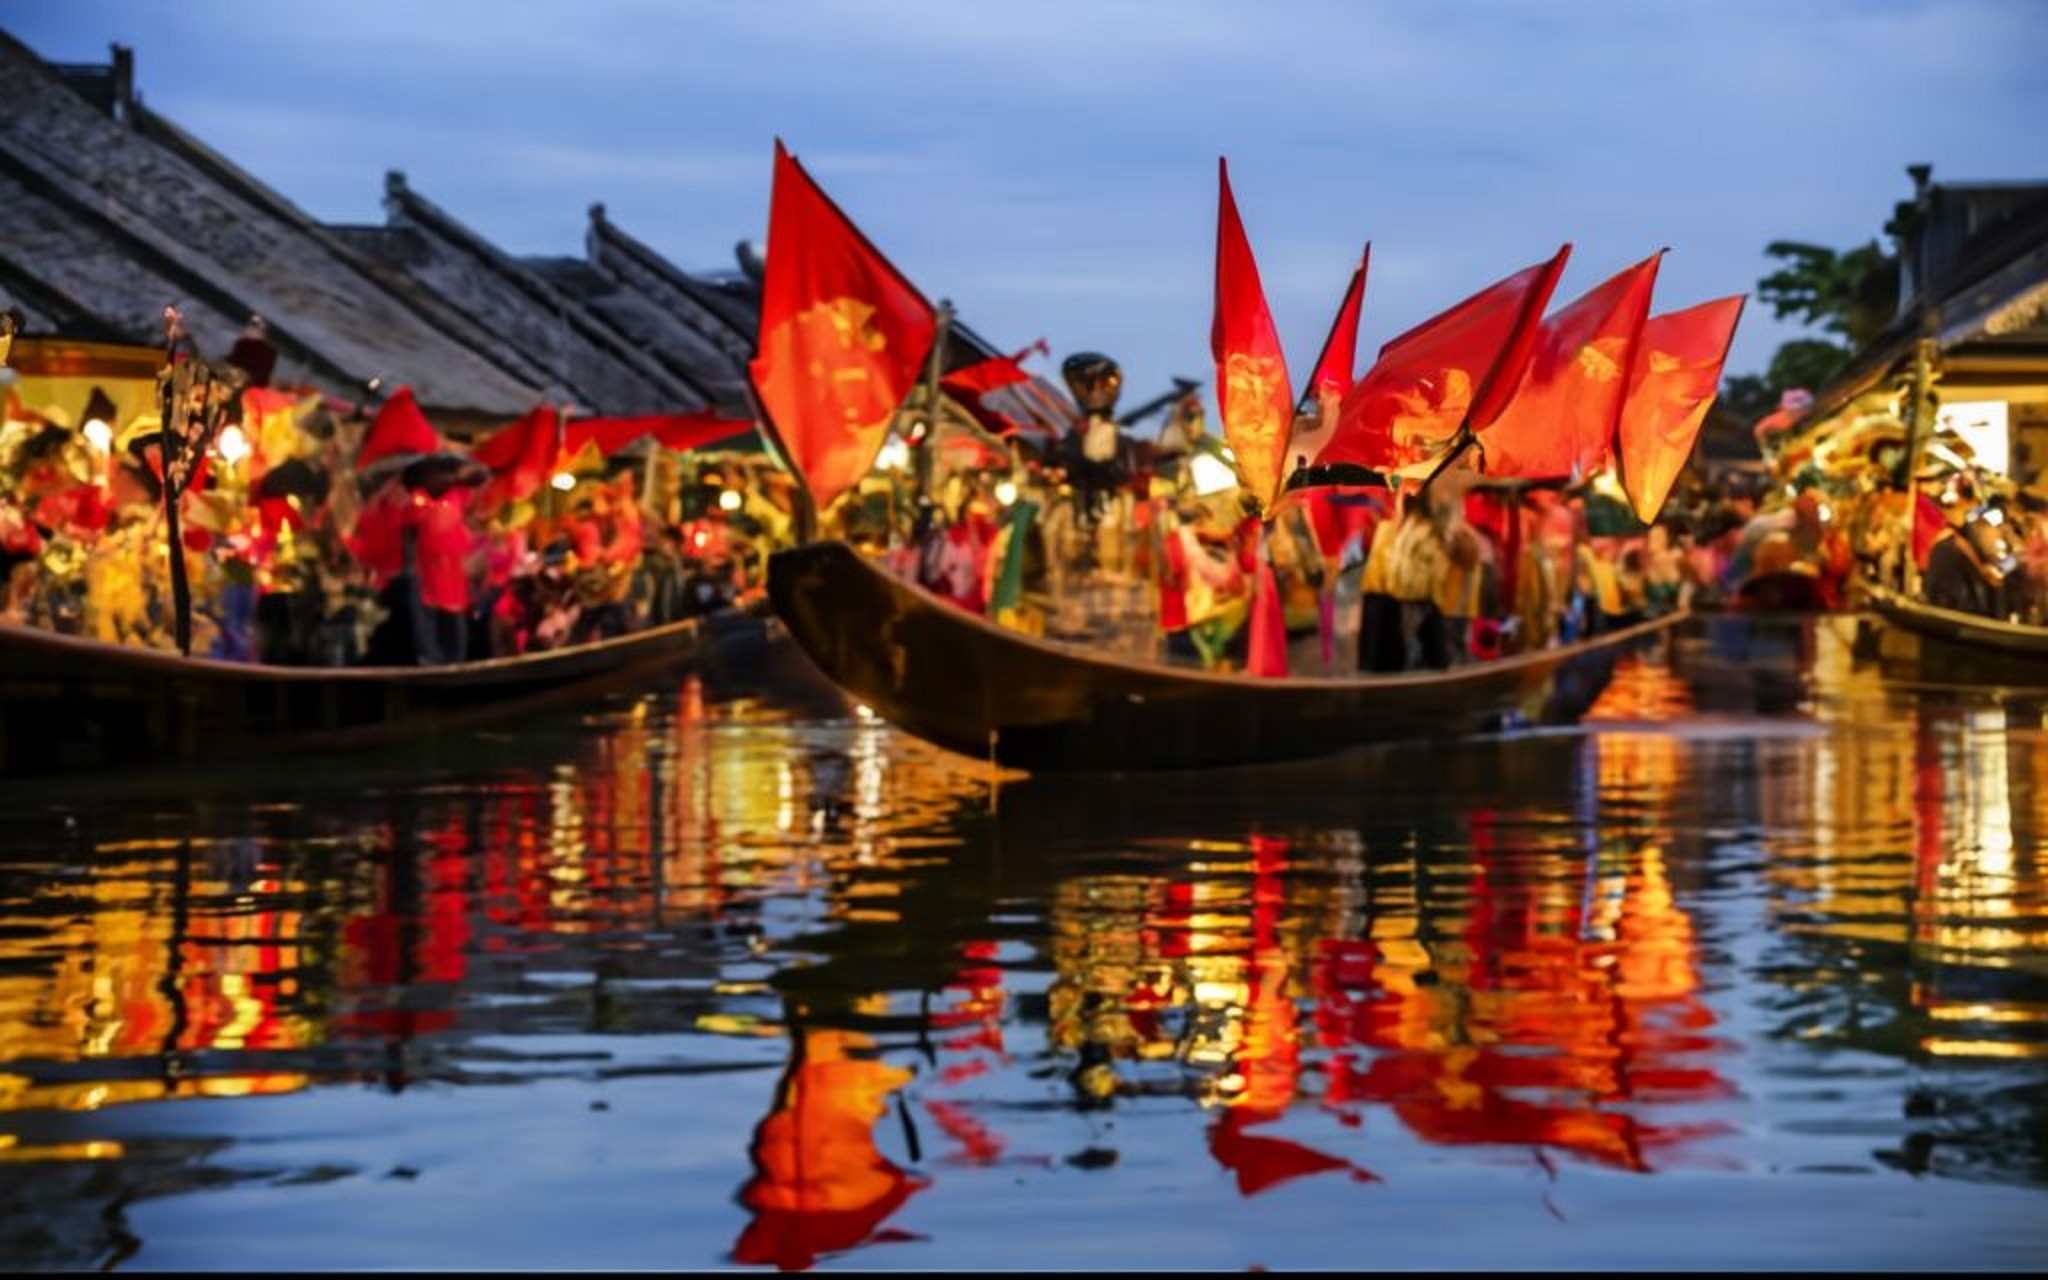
(960,681)
(1951,647)
(71,703)
(1783,591)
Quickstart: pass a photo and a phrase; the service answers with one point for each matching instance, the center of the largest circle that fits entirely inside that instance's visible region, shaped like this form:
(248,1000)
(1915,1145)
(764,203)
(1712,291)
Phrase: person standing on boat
(1380,647)
(1956,576)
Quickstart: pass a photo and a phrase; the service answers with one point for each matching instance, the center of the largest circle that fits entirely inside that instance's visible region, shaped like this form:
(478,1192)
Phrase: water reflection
(1690,936)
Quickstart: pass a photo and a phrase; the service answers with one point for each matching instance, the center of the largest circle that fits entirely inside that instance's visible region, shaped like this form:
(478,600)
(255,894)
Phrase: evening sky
(1051,167)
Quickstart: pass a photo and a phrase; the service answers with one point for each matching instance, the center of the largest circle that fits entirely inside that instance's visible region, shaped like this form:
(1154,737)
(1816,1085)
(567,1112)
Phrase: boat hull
(1953,647)
(957,680)
(69,704)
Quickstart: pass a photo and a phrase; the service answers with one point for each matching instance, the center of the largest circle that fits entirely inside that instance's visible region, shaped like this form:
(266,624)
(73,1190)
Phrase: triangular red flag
(1677,369)
(1458,368)
(1334,364)
(1252,390)
(521,456)
(399,427)
(842,336)
(1564,414)
(985,376)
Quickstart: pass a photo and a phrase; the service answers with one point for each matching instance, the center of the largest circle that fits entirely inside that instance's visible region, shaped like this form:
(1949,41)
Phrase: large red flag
(1671,387)
(1564,415)
(1456,369)
(842,336)
(1252,390)
(399,427)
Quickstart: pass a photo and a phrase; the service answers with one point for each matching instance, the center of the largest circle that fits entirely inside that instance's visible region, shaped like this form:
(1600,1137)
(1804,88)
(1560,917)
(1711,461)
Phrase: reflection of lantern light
(1006,492)
(98,434)
(1211,474)
(563,481)
(729,500)
(233,445)
(895,455)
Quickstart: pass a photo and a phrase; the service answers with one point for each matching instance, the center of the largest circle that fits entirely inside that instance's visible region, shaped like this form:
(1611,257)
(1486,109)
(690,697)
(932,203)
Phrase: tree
(1848,296)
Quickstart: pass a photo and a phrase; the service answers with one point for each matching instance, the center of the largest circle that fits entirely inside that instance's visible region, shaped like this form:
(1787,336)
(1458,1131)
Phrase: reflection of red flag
(1268,652)
(1928,522)
(1252,390)
(1562,419)
(1458,368)
(399,427)
(1334,364)
(1678,365)
(522,455)
(841,337)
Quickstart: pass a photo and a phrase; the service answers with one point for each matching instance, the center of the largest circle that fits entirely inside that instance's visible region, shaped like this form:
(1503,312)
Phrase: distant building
(1973,283)
(113,212)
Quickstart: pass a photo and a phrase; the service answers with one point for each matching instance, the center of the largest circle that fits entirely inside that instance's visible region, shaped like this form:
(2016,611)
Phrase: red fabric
(443,550)
(399,427)
(82,507)
(521,456)
(1928,523)
(1564,414)
(679,431)
(1268,653)
(987,375)
(1173,585)
(842,336)
(1334,366)
(1458,368)
(1252,390)
(1677,368)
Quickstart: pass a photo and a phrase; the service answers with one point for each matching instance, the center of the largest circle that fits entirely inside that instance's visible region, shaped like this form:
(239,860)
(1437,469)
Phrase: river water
(1748,969)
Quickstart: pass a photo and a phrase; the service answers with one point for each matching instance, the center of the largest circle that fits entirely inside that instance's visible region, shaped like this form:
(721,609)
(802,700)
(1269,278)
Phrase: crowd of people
(299,551)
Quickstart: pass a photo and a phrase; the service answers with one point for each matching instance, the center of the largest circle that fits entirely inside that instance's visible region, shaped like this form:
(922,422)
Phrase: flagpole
(933,367)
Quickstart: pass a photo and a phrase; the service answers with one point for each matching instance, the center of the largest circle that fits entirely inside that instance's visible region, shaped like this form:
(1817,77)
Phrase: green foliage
(1851,295)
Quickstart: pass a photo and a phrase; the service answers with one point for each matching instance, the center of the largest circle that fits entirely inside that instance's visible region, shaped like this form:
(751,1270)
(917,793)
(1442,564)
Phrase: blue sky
(1051,166)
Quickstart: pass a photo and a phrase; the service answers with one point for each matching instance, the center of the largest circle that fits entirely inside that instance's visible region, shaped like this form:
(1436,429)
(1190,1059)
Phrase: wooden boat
(960,681)
(71,703)
(1945,646)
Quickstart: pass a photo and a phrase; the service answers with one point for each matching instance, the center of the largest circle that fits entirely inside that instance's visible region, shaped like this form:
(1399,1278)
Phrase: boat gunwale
(18,635)
(1896,607)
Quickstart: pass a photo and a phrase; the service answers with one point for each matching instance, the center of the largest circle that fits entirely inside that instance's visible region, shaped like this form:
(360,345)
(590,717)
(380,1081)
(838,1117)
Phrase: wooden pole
(934,367)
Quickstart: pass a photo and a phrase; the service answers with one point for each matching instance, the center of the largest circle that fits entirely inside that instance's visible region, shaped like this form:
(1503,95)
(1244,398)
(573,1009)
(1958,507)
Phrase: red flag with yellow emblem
(842,336)
(1565,412)
(1252,390)
(1671,387)
(1456,369)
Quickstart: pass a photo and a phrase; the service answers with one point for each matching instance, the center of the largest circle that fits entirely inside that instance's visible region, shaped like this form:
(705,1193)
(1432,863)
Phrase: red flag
(985,376)
(399,427)
(1267,655)
(1928,523)
(842,336)
(1252,390)
(1458,368)
(679,431)
(1671,387)
(1334,365)
(521,456)
(1563,417)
